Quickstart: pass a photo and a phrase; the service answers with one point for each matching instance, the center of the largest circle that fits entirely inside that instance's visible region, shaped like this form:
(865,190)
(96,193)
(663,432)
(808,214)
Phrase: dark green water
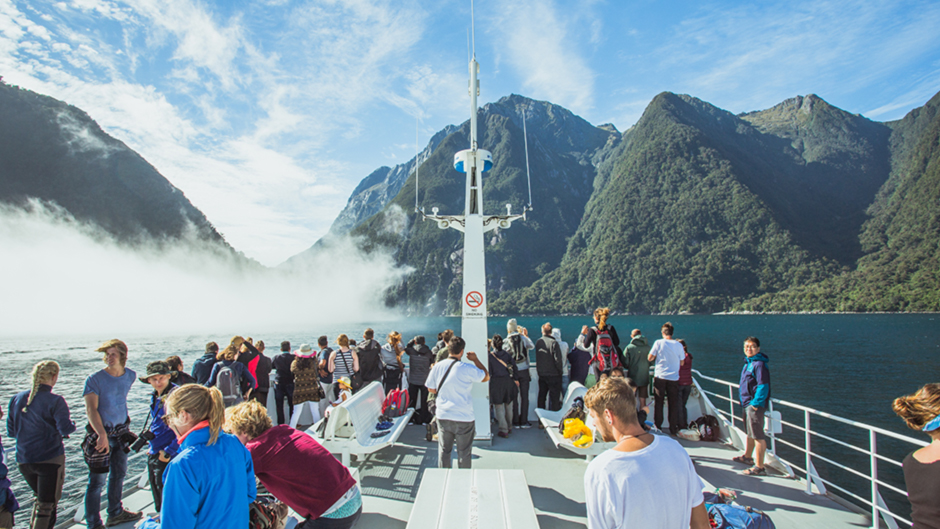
(847,365)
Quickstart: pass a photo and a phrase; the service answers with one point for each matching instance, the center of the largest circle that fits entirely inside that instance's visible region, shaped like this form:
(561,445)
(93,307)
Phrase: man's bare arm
(94,419)
(699,517)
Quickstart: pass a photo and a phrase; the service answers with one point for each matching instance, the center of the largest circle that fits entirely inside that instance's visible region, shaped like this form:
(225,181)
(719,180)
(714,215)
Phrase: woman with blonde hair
(211,482)
(228,358)
(921,412)
(39,419)
(284,461)
(391,358)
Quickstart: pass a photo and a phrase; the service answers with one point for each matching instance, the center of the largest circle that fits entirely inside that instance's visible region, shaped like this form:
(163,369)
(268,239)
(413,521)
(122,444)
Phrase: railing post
(773,436)
(809,460)
(873,445)
(731,403)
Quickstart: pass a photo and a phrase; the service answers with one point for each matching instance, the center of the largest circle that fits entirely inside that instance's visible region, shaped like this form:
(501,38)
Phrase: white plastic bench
(465,498)
(550,420)
(351,425)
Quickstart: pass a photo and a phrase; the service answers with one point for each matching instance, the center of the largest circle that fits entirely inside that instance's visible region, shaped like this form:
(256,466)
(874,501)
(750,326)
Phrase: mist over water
(63,277)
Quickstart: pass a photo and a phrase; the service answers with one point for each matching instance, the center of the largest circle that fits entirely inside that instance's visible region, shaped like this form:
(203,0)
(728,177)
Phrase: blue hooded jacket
(755,381)
(208,486)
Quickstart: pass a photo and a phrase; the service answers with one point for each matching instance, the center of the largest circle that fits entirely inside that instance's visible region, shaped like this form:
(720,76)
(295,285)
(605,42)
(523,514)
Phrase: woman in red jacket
(285,458)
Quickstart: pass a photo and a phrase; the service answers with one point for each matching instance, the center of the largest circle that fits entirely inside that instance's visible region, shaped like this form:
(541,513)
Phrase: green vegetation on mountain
(900,270)
(55,153)
(560,144)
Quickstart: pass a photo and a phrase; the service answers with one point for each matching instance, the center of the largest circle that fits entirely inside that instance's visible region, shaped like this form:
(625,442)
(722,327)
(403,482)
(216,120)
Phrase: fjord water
(851,365)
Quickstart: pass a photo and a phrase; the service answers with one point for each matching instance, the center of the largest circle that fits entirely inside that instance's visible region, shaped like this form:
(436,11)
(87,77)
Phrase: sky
(267,113)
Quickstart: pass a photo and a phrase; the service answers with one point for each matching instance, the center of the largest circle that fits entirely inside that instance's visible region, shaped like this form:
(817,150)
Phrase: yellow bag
(578,432)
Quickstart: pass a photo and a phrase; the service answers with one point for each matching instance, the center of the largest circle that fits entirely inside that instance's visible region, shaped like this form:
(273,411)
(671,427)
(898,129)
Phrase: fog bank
(59,276)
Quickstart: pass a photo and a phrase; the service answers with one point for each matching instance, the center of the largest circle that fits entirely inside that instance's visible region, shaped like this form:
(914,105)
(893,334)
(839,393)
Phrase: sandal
(743,460)
(755,471)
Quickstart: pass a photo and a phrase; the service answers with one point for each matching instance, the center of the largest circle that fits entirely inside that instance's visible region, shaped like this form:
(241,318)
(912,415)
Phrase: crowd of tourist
(209,435)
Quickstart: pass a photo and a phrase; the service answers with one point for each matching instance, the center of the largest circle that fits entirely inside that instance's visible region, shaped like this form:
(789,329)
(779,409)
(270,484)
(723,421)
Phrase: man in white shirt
(668,355)
(623,487)
(451,380)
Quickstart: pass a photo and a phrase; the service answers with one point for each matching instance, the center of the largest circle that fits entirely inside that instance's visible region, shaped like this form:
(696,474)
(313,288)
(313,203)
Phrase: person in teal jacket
(211,482)
(754,390)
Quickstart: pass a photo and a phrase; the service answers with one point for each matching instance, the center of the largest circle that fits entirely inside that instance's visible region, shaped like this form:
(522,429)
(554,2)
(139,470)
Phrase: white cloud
(542,48)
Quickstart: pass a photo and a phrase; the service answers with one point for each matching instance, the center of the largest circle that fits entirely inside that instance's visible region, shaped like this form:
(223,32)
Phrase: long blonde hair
(43,373)
(200,403)
(601,315)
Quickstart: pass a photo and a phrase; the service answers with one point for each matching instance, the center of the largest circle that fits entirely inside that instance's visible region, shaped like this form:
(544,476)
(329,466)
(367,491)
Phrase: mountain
(561,147)
(54,152)
(900,270)
(370,196)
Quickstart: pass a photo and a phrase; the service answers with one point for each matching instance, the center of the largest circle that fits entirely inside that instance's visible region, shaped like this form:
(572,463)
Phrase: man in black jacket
(420,359)
(549,364)
(179,376)
(283,381)
(202,367)
(370,364)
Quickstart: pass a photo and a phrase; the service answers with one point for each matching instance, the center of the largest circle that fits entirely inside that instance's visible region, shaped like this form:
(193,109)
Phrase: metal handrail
(876,503)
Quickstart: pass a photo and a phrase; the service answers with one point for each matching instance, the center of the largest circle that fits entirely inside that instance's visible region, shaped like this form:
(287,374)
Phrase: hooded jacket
(549,361)
(202,368)
(208,486)
(638,364)
(164,438)
(755,381)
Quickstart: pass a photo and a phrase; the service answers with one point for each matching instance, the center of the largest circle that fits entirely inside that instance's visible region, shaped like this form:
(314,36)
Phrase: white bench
(459,499)
(351,425)
(550,420)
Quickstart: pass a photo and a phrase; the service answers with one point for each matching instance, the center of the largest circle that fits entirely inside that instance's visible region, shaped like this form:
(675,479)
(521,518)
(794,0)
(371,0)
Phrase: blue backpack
(725,516)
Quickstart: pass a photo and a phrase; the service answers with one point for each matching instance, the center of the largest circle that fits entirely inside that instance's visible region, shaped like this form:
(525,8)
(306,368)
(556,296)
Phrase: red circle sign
(474,299)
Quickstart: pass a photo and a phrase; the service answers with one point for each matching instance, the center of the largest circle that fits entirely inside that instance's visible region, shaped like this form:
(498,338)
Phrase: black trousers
(669,390)
(391,379)
(549,386)
(415,392)
(282,391)
(155,469)
(520,406)
(45,479)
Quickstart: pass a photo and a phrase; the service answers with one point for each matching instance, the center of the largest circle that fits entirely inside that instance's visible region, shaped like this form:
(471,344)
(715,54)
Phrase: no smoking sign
(474,299)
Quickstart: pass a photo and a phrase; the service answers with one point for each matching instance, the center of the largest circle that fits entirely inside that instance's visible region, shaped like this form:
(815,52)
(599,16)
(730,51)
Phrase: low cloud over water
(60,276)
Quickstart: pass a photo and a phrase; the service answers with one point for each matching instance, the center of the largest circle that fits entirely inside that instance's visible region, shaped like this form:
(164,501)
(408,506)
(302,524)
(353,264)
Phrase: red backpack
(396,403)
(606,356)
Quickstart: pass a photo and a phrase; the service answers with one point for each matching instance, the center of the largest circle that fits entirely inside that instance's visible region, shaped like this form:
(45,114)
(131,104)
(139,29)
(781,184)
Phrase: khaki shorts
(755,423)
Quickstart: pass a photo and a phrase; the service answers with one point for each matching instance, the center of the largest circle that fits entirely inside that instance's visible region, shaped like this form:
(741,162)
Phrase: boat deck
(390,481)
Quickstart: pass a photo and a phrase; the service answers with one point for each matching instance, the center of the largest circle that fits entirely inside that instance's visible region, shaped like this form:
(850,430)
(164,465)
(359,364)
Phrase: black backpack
(370,364)
(227,382)
(708,427)
(517,349)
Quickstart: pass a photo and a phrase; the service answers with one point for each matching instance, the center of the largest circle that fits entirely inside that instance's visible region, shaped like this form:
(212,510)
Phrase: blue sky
(268,113)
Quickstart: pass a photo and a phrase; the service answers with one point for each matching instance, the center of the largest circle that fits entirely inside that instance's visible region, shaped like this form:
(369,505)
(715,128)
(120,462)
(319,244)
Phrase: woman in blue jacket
(163,445)
(211,482)
(39,420)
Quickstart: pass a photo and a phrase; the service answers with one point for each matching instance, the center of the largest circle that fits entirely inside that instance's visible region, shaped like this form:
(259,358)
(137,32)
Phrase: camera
(142,439)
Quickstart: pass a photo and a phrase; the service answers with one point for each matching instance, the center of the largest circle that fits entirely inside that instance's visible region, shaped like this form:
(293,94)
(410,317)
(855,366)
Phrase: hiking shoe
(525,425)
(124,517)
(755,471)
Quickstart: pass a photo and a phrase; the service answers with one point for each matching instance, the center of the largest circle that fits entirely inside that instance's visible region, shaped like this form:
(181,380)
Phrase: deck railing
(876,505)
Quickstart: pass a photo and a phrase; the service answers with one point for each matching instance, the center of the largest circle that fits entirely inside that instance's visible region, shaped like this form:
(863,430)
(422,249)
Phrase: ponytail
(601,315)
(44,371)
(216,415)
(201,403)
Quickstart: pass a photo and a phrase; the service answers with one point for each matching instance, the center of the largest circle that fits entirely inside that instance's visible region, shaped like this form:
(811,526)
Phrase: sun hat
(305,351)
(158,367)
(345,381)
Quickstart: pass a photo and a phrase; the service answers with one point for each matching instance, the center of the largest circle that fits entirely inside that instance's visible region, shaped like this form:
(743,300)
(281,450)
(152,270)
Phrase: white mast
(474,162)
